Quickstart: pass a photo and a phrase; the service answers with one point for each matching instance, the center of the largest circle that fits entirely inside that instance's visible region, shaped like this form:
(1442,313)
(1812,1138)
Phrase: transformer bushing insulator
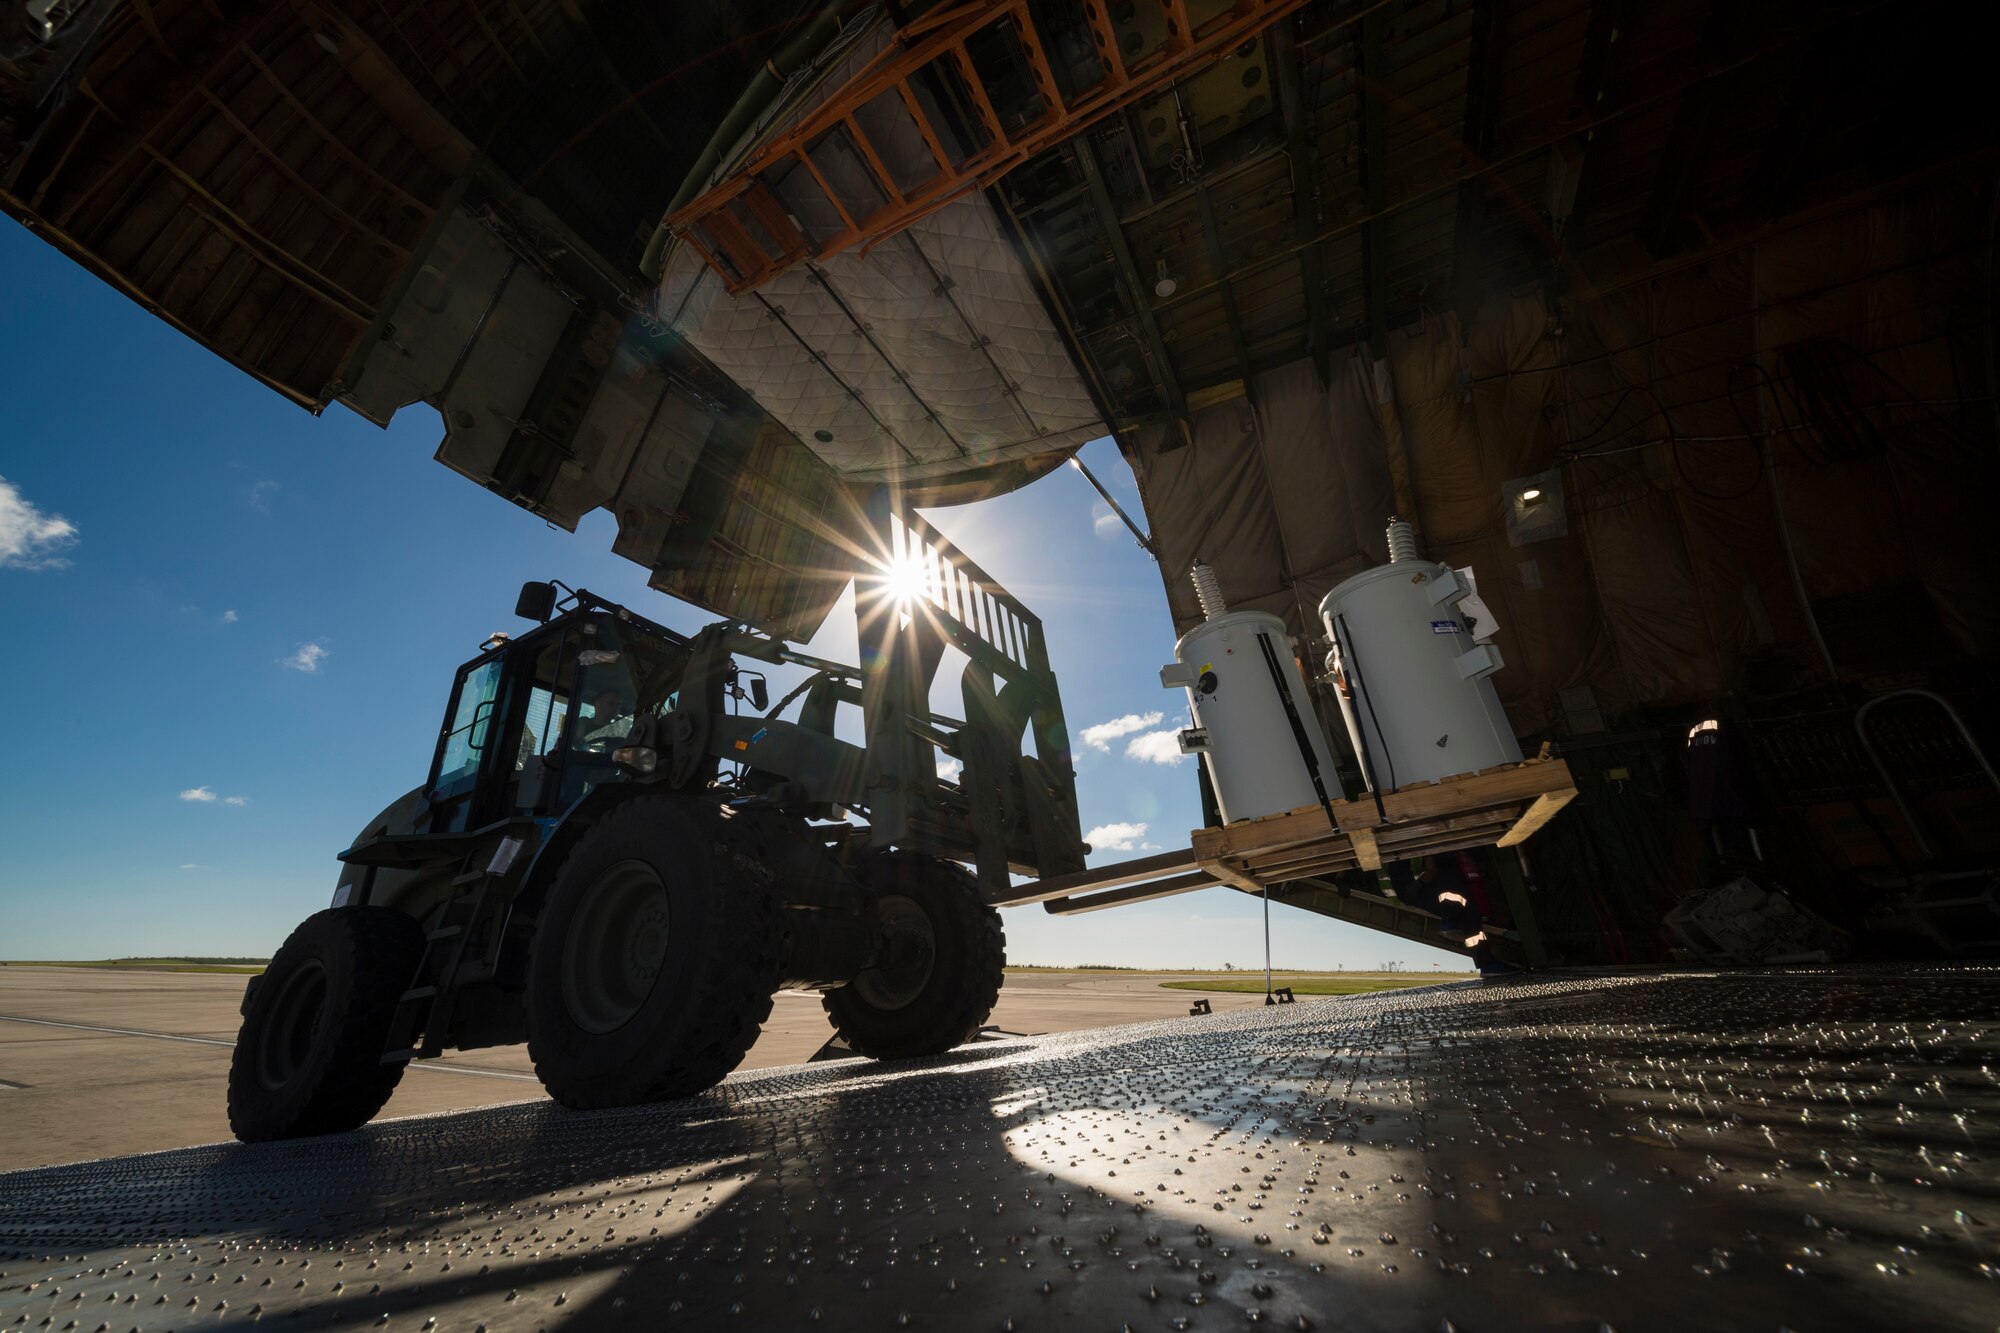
(1208,591)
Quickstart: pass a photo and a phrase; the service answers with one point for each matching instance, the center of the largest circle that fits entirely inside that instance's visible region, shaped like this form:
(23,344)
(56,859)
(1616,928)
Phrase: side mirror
(536,602)
(760,697)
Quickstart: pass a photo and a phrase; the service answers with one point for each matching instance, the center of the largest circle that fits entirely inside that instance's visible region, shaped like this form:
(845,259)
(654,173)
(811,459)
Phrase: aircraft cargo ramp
(1803,1149)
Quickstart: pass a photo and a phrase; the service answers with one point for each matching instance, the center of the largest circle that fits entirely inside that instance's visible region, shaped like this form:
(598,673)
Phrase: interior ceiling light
(1534,507)
(1164,284)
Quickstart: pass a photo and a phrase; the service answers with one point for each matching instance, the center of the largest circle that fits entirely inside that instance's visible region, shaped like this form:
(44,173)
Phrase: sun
(904,580)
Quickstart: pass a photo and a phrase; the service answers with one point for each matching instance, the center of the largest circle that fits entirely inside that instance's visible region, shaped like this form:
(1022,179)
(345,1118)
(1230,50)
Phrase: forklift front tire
(308,1058)
(655,958)
(943,958)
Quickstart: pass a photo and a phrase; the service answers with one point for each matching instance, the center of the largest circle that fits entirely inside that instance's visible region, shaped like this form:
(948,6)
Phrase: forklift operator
(610,718)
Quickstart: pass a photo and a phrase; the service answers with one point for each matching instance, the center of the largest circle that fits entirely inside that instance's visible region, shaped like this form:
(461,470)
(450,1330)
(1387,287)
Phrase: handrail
(1882,769)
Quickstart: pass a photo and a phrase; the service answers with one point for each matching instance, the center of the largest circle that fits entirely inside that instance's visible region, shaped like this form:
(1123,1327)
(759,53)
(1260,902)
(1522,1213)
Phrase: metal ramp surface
(1806,1149)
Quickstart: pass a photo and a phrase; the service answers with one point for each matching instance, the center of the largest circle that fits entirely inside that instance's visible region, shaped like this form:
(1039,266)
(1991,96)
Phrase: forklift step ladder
(418,1011)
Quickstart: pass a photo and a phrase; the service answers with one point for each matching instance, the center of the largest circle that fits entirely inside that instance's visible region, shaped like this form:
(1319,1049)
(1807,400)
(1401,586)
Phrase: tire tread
(972,992)
(351,1085)
(725,1014)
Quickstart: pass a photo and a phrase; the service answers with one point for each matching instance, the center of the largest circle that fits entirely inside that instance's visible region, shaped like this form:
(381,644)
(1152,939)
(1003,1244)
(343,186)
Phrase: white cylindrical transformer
(1240,675)
(1423,708)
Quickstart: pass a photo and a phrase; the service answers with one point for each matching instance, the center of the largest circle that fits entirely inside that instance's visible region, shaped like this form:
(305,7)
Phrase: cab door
(468,746)
(534,770)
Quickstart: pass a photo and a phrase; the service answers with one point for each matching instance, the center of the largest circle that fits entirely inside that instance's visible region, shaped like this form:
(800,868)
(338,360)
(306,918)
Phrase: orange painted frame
(941,36)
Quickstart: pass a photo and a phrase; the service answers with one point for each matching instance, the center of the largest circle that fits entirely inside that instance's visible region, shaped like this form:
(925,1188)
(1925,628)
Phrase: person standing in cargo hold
(1437,884)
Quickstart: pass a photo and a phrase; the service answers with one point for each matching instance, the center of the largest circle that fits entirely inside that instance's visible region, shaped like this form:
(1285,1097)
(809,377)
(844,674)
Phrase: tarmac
(1788,1149)
(99,1062)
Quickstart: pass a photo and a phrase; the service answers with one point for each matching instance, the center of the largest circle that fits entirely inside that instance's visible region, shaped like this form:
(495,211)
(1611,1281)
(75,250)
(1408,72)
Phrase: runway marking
(230,1045)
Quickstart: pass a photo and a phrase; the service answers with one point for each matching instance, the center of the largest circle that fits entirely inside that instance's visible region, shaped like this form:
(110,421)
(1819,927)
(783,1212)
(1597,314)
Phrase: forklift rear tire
(309,1057)
(940,973)
(655,958)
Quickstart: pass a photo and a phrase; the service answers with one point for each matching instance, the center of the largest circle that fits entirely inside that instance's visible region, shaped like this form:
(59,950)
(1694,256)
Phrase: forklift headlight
(638,758)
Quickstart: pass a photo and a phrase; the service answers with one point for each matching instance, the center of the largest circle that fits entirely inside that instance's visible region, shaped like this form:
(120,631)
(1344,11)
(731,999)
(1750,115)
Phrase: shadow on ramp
(1720,1149)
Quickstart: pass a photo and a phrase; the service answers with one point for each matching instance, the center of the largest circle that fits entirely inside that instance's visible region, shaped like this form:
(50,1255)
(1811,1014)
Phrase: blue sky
(227,629)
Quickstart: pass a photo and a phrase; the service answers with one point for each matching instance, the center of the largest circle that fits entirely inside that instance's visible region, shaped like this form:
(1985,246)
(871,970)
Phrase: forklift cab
(534,723)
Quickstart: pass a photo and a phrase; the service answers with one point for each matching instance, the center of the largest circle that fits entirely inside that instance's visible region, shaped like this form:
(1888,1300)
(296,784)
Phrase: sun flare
(903,580)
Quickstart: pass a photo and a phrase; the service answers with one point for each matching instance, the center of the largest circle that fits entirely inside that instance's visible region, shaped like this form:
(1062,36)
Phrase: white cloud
(29,538)
(229,617)
(192,866)
(259,495)
(1156,747)
(1100,736)
(949,768)
(306,659)
(205,795)
(1105,523)
(1118,838)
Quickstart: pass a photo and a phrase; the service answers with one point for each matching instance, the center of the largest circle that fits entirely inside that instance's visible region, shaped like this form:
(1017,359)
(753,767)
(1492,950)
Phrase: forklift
(623,850)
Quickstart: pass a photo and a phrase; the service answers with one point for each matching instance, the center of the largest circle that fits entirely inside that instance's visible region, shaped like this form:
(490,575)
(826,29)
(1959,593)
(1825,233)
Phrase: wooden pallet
(1498,807)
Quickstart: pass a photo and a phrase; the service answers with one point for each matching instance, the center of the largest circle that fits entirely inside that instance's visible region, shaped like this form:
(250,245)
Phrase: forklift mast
(1010,807)
(1013,805)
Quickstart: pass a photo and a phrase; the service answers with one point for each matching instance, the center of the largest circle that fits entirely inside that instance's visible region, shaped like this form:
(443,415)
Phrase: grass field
(1317,983)
(240,966)
(1080,967)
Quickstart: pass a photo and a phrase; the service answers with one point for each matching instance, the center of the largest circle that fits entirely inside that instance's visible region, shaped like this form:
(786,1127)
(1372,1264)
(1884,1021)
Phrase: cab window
(547,711)
(471,726)
(623,674)
(544,722)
